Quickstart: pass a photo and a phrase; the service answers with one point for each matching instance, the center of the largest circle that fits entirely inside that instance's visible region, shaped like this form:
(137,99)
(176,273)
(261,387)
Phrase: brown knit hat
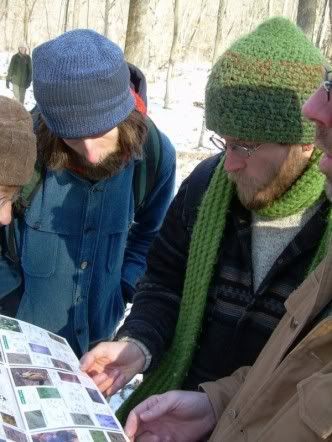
(17,143)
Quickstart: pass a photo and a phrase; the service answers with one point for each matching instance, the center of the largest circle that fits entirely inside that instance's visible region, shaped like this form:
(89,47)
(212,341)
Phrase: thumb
(87,360)
(132,425)
(154,407)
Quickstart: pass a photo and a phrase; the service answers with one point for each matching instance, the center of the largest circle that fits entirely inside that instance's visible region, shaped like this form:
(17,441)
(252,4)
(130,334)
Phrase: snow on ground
(182,124)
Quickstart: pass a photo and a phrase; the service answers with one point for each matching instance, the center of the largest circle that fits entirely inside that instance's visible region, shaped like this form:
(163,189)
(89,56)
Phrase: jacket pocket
(39,253)
(315,400)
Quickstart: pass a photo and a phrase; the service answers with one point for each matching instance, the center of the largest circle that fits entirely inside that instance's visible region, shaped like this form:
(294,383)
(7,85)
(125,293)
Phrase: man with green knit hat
(243,232)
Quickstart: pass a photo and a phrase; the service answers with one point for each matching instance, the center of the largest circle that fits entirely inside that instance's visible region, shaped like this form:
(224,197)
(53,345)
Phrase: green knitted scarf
(203,253)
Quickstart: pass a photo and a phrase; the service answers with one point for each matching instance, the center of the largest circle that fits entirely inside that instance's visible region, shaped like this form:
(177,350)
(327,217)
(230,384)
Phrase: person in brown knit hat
(17,153)
(17,159)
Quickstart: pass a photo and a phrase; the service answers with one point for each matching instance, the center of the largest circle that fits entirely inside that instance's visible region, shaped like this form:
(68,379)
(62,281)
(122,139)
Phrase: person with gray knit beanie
(106,179)
(17,160)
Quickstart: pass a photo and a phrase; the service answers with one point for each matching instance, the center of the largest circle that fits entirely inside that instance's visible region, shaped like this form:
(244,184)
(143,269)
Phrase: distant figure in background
(19,73)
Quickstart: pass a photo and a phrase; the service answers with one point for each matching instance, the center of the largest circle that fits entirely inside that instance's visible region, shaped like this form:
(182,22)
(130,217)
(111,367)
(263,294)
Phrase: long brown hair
(55,154)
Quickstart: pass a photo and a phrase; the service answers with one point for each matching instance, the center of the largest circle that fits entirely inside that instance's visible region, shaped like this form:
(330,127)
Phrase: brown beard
(255,195)
(56,155)
(108,167)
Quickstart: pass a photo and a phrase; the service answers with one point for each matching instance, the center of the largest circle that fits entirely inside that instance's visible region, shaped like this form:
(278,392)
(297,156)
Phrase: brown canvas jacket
(287,394)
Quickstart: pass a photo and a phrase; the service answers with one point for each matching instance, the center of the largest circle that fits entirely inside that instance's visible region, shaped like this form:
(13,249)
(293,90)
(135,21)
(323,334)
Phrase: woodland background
(156,33)
(174,42)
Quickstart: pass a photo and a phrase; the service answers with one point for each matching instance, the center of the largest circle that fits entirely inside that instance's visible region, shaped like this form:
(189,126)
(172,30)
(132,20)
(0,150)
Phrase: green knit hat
(257,87)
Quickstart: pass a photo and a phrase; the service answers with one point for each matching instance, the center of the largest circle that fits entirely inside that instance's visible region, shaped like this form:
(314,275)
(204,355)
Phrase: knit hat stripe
(298,76)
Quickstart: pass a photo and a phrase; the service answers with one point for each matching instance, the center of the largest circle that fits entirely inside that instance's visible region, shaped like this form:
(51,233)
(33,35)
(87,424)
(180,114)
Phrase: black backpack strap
(147,170)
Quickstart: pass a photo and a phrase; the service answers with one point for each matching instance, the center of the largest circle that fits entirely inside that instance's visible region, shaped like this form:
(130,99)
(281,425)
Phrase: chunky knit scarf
(203,253)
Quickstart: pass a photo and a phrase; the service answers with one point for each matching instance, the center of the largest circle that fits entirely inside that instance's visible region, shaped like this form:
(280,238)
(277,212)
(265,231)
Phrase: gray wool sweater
(270,237)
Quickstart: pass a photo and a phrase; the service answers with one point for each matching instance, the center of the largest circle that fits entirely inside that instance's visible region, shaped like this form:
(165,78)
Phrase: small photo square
(94,395)
(35,419)
(18,358)
(116,437)
(48,393)
(56,436)
(60,364)
(98,436)
(105,420)
(8,419)
(24,377)
(57,338)
(36,348)
(81,419)
(10,324)
(14,435)
(68,377)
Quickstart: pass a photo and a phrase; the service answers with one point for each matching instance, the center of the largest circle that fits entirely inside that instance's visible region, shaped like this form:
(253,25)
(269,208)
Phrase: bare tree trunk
(171,60)
(87,13)
(217,48)
(107,9)
(321,24)
(306,16)
(195,28)
(136,38)
(47,21)
(76,14)
(328,49)
(201,135)
(28,10)
(108,6)
(270,8)
(285,8)
(65,21)
(25,21)
(5,16)
(216,51)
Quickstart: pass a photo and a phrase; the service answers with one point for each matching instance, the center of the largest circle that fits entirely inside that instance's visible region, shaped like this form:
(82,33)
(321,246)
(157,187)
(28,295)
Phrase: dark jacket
(20,71)
(238,321)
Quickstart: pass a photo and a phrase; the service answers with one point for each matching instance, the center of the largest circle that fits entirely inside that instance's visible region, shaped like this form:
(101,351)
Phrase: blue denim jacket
(83,249)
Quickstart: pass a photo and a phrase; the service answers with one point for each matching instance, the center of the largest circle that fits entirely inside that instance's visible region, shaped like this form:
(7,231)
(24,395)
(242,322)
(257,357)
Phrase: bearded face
(270,172)
(96,157)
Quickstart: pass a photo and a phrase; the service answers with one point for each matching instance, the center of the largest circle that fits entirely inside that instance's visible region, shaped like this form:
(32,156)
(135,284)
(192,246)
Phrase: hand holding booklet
(44,396)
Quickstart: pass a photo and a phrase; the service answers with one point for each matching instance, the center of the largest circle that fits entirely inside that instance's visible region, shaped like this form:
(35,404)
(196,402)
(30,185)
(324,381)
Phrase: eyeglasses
(242,149)
(327,84)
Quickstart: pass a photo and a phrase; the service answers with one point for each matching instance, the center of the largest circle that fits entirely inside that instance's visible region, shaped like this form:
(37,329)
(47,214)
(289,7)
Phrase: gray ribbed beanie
(81,84)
